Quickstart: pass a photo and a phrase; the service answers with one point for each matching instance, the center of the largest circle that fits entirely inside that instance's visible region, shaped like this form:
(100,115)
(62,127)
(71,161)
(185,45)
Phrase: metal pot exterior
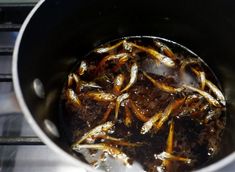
(57,32)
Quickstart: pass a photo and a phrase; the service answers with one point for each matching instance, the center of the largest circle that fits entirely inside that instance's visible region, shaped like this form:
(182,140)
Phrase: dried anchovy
(185,97)
(133,76)
(100,129)
(112,151)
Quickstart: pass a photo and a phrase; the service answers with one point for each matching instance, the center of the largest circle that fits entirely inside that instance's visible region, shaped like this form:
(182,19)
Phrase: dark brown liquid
(197,127)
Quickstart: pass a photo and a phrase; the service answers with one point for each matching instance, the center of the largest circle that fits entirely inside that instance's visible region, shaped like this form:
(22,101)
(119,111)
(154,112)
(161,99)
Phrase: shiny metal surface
(22,158)
(29,158)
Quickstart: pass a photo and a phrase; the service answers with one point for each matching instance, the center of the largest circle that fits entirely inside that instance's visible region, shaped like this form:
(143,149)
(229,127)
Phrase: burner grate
(12,16)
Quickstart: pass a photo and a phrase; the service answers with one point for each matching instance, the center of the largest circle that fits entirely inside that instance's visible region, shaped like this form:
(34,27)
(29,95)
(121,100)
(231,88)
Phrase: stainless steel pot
(57,33)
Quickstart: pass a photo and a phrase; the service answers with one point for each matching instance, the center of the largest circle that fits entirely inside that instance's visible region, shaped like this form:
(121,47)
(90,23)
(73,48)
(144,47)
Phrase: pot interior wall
(62,32)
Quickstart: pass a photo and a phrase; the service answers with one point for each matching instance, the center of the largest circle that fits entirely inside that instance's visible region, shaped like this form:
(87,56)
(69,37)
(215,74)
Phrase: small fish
(107,49)
(89,85)
(125,143)
(123,60)
(193,105)
(118,102)
(202,76)
(101,96)
(108,111)
(156,55)
(206,95)
(100,129)
(106,137)
(162,86)
(139,115)
(169,146)
(165,49)
(118,82)
(149,124)
(203,80)
(112,151)
(133,77)
(73,97)
(119,141)
(171,157)
(70,80)
(128,119)
(120,62)
(72,77)
(165,115)
(217,92)
(187,62)
(212,86)
(83,67)
(112,57)
(170,138)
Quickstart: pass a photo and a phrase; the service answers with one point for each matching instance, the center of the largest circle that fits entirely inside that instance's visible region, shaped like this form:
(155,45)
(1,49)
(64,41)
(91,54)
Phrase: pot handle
(9,104)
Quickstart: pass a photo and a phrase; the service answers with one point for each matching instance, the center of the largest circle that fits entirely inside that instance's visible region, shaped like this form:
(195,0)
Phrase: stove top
(20,158)
(28,154)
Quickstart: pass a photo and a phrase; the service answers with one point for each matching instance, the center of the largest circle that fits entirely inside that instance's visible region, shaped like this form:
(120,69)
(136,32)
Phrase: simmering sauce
(145,101)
